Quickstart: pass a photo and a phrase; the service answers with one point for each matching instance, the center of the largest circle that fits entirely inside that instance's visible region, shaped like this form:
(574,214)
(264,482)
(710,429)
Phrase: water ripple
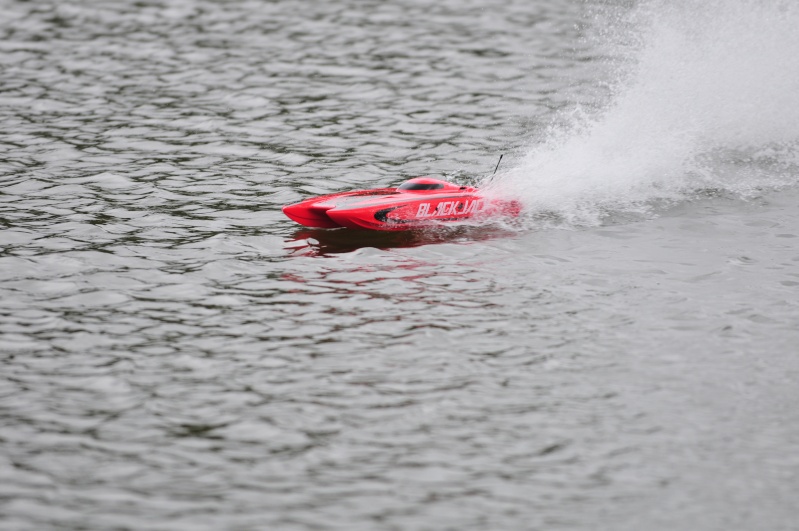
(176,354)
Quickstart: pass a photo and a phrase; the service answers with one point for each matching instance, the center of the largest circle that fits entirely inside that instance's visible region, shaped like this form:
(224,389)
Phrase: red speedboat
(418,202)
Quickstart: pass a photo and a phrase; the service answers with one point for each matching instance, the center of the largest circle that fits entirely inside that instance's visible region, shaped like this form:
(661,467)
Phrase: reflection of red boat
(419,202)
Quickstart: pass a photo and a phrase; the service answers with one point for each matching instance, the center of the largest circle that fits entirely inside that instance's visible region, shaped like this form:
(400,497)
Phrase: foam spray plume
(709,101)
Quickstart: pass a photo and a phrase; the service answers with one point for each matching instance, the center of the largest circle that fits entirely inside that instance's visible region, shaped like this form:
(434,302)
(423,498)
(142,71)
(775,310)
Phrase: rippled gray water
(177,355)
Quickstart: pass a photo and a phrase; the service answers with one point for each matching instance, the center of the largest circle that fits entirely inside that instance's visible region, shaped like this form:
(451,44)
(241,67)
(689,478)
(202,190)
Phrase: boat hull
(390,209)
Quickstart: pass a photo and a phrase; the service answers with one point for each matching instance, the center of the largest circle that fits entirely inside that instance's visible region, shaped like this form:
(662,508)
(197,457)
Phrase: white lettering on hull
(449,208)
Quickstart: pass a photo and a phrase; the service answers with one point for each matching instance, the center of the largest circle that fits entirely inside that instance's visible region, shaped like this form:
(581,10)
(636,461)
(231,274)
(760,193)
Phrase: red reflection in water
(321,242)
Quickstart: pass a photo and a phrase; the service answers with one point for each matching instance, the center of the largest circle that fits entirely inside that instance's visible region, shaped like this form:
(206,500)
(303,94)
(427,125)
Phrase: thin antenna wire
(500,160)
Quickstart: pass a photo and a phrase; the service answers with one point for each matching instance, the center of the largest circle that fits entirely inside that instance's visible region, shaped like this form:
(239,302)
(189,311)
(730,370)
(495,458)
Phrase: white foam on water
(708,99)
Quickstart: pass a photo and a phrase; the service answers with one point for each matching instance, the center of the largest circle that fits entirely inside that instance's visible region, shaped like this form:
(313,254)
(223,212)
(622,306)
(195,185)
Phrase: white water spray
(711,102)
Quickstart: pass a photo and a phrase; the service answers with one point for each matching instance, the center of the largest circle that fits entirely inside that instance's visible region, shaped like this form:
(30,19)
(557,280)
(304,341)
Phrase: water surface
(176,354)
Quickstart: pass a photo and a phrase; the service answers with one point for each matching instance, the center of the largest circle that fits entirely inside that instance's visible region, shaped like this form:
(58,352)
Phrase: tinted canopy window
(420,186)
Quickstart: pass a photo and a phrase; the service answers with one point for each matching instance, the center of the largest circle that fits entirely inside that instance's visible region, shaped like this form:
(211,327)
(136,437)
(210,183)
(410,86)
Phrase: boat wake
(706,101)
